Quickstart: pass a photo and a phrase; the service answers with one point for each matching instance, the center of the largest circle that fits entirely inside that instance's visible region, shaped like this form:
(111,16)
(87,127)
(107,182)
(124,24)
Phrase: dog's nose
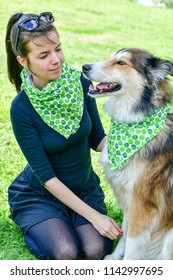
(86,68)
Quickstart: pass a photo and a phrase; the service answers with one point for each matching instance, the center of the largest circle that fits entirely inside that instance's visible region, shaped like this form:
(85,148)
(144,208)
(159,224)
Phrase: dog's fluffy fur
(135,83)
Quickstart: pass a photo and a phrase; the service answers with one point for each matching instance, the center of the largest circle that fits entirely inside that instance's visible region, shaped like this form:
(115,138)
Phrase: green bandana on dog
(125,139)
(60,102)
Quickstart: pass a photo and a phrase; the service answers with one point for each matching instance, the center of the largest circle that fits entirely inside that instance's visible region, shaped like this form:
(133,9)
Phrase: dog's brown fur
(135,83)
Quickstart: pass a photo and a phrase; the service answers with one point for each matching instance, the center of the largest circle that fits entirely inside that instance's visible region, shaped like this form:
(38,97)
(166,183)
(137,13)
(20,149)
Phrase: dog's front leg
(136,247)
(141,220)
(118,253)
(119,250)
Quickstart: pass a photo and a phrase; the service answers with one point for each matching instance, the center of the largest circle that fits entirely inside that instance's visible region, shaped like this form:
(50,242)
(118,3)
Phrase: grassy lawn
(90,30)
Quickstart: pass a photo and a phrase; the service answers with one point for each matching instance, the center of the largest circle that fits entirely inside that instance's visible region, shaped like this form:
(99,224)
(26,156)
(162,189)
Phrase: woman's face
(45,59)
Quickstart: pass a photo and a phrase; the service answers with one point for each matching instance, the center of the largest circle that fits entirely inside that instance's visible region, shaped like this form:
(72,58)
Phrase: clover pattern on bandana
(60,102)
(125,139)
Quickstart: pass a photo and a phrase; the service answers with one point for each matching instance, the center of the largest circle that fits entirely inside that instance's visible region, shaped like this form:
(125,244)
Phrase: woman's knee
(97,251)
(94,253)
(49,250)
(65,252)
(55,239)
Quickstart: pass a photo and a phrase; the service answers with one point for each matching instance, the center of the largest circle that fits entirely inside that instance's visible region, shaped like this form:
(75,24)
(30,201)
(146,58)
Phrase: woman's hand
(107,226)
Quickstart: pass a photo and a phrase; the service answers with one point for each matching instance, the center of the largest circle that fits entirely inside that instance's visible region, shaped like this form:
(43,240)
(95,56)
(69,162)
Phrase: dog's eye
(121,62)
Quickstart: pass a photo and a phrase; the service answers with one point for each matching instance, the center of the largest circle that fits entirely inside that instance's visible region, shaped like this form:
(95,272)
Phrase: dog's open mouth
(104,87)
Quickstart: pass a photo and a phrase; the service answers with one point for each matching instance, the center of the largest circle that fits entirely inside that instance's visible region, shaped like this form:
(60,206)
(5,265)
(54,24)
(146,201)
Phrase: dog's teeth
(111,85)
(92,87)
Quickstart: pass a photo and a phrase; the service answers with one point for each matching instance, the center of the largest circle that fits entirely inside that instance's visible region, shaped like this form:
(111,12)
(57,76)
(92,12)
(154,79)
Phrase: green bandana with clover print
(125,139)
(60,102)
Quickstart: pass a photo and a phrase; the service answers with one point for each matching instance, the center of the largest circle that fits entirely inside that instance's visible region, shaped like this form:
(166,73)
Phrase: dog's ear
(160,68)
(170,67)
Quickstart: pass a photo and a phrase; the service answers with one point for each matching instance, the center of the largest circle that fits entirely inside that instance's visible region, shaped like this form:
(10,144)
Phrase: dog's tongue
(102,86)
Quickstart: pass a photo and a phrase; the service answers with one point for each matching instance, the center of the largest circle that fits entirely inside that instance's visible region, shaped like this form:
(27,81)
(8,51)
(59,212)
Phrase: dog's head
(129,71)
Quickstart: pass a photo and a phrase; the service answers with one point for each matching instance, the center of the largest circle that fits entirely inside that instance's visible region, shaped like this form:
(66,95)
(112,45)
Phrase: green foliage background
(90,30)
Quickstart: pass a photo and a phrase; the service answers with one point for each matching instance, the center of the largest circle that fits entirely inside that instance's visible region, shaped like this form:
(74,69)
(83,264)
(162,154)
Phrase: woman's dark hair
(13,67)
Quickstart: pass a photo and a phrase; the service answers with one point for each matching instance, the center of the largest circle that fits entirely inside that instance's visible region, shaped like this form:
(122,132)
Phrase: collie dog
(138,155)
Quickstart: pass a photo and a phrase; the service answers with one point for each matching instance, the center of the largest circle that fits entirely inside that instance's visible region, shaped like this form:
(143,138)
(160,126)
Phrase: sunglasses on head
(32,23)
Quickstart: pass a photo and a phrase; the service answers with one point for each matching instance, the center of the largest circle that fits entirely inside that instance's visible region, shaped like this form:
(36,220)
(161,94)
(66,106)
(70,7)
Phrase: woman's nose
(55,58)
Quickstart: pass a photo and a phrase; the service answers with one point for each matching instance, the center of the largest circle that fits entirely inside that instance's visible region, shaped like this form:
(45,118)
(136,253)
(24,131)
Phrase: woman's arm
(29,139)
(97,134)
(101,145)
(104,224)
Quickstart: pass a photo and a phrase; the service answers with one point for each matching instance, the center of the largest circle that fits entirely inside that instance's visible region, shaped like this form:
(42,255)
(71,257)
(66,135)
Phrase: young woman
(56,200)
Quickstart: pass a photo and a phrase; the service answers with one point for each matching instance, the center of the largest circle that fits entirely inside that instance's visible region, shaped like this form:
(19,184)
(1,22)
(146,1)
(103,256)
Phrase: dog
(137,88)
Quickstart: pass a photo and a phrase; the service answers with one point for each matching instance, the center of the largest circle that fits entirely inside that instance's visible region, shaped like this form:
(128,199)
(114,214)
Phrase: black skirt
(29,207)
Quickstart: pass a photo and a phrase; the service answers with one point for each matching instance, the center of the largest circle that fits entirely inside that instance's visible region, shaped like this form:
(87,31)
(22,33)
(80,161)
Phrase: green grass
(90,30)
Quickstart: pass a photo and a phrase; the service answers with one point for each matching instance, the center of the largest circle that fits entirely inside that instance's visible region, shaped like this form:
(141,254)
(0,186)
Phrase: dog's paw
(108,257)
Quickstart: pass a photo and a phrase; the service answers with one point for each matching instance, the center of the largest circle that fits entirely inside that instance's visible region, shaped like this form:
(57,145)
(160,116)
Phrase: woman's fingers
(108,228)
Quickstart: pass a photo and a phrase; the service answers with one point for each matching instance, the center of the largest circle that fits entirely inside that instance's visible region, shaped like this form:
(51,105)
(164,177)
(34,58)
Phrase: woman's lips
(56,69)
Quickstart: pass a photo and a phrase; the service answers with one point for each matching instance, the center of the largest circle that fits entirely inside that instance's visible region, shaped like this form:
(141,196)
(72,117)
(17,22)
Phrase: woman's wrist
(92,215)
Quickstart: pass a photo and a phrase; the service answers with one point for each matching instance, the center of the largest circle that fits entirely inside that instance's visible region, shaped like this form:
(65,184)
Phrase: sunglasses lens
(47,17)
(30,24)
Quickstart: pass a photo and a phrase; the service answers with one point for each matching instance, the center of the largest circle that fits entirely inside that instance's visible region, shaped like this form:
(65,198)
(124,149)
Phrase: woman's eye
(121,62)
(43,56)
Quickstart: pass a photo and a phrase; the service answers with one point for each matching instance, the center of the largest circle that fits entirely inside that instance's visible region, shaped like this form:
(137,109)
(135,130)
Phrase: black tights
(56,239)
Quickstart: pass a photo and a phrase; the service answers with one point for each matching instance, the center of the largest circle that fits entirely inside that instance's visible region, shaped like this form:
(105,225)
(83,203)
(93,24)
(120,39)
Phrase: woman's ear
(22,61)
